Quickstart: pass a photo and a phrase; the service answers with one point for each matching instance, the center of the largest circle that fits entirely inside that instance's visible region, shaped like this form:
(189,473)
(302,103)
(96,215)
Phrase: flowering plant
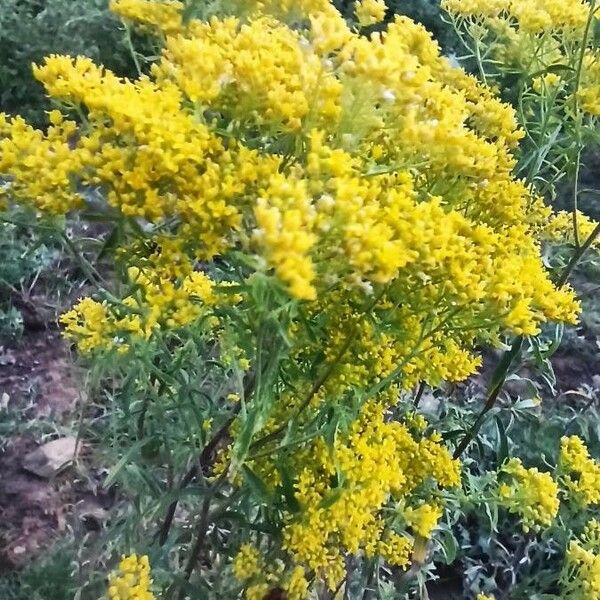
(308,224)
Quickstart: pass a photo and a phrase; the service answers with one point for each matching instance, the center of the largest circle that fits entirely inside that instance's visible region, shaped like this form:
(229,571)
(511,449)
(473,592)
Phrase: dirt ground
(38,384)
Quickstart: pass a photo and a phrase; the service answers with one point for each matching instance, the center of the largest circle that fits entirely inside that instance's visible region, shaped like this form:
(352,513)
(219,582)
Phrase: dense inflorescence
(532,16)
(531,494)
(580,472)
(132,580)
(581,573)
(344,208)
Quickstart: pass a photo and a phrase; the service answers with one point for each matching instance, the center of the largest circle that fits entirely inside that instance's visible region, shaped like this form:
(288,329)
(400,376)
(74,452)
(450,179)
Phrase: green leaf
(503,367)
(287,487)
(331,498)
(151,448)
(502,451)
(112,241)
(114,472)
(556,68)
(256,485)
(449,545)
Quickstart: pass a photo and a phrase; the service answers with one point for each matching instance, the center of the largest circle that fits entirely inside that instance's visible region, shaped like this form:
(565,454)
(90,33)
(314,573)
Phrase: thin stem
(204,521)
(199,543)
(318,384)
(132,50)
(578,119)
(576,197)
(479,61)
(498,381)
(201,465)
(419,394)
(578,255)
(323,378)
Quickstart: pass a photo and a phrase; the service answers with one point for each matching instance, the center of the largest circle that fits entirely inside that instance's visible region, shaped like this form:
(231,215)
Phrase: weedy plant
(310,225)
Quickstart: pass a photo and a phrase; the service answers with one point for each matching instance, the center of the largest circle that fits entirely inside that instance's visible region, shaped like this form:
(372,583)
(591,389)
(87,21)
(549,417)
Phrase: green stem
(578,255)
(132,50)
(498,381)
(324,377)
(576,197)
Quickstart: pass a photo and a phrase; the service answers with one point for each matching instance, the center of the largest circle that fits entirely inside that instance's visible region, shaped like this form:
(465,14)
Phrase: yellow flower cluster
(530,37)
(164,15)
(296,586)
(549,82)
(581,573)
(580,474)
(332,197)
(156,302)
(591,534)
(559,228)
(529,493)
(342,492)
(150,155)
(288,11)
(247,562)
(132,580)
(284,232)
(589,91)
(257,72)
(41,166)
(533,16)
(423,519)
(249,567)
(395,549)
(370,12)
(368,179)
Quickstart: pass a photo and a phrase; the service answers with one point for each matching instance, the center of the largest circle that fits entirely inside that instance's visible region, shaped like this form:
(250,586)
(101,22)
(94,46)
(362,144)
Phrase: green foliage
(43,263)
(46,579)
(23,257)
(426,12)
(32,29)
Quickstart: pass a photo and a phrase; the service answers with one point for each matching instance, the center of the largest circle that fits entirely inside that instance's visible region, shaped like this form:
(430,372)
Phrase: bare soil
(38,381)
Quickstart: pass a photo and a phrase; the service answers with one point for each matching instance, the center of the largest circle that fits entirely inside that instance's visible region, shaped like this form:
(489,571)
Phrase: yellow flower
(257,591)
(297,585)
(530,494)
(164,15)
(380,463)
(580,472)
(423,519)
(532,16)
(395,549)
(580,577)
(247,562)
(132,580)
(369,12)
(372,181)
(548,82)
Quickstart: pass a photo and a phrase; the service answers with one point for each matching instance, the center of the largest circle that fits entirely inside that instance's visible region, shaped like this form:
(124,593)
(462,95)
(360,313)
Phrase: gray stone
(50,458)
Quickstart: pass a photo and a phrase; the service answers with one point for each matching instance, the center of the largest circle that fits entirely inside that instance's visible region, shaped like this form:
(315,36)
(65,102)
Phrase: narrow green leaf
(256,485)
(502,451)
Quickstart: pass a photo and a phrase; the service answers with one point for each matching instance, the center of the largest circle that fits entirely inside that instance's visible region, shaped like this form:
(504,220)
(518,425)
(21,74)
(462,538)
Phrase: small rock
(49,459)
(429,404)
